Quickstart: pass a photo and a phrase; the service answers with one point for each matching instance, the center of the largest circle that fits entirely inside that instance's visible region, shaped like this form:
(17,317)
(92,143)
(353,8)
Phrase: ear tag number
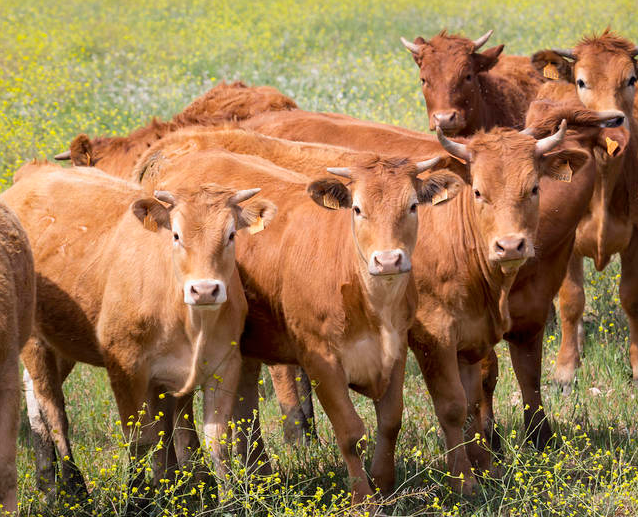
(564,173)
(330,202)
(257,226)
(439,197)
(551,72)
(612,145)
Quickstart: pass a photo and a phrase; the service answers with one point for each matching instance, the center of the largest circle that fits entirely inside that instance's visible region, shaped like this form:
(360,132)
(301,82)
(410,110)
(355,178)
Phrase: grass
(107,67)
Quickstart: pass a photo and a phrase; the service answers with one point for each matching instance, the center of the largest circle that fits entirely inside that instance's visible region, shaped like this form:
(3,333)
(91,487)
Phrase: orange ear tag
(150,223)
(612,145)
(439,197)
(551,72)
(564,173)
(330,202)
(257,226)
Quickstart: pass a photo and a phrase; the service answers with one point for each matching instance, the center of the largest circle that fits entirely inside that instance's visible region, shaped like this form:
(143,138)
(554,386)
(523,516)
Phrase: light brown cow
(465,91)
(144,286)
(336,298)
(605,73)
(17,306)
(221,104)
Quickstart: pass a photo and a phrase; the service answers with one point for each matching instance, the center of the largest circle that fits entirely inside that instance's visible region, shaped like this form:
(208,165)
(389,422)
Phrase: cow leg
(295,400)
(572,305)
(248,439)
(629,297)
(185,439)
(489,374)
(45,372)
(527,356)
(165,458)
(389,409)
(9,422)
(473,387)
(441,373)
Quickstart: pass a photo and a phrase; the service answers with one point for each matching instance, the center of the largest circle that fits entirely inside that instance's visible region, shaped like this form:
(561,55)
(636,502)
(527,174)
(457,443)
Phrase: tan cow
(605,74)
(465,90)
(17,306)
(144,286)
(336,298)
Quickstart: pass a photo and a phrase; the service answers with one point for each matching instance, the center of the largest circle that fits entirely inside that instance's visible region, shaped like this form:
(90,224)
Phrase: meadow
(107,67)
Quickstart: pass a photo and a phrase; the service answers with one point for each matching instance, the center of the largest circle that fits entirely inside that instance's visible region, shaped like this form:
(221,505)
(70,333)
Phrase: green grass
(107,67)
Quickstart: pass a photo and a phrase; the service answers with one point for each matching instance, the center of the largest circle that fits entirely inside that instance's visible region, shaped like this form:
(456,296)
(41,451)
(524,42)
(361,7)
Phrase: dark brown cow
(464,90)
(148,289)
(605,74)
(335,298)
(17,306)
(219,105)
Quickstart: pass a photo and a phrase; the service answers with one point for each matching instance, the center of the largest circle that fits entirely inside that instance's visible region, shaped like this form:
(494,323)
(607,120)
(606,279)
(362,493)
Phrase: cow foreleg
(185,439)
(389,409)
(489,374)
(572,305)
(629,297)
(441,373)
(9,422)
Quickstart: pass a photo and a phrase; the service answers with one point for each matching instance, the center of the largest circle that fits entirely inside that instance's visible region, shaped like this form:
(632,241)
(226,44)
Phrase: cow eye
(413,208)
(477,194)
(535,190)
(422,80)
(580,83)
(231,237)
(175,237)
(632,81)
(357,210)
(468,77)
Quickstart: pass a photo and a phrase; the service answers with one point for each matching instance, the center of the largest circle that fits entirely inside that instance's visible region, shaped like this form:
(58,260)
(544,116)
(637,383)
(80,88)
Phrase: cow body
(17,306)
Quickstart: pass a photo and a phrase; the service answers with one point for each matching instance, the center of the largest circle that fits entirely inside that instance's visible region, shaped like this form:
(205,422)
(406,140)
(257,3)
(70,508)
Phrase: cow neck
(490,283)
(630,169)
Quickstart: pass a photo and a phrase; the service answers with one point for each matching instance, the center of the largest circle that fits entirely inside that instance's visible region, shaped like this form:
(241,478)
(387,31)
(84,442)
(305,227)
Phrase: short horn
(412,47)
(611,118)
(242,195)
(454,148)
(565,52)
(165,197)
(547,144)
(344,172)
(478,43)
(527,131)
(427,164)
(66,155)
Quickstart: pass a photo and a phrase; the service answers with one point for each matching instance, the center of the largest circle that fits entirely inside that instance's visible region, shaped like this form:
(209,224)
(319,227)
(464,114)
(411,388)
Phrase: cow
(465,91)
(17,307)
(605,74)
(143,285)
(221,104)
(539,279)
(336,298)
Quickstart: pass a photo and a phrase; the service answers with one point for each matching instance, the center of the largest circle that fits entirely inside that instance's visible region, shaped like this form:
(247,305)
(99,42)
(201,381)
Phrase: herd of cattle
(189,252)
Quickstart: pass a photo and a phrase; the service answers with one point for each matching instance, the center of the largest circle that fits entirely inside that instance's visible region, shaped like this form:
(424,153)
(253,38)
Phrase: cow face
(449,68)
(505,170)
(383,197)
(202,228)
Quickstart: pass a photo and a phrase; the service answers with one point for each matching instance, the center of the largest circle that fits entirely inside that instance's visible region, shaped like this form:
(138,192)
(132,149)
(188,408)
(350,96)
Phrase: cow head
(605,72)
(449,68)
(383,196)
(202,227)
(505,167)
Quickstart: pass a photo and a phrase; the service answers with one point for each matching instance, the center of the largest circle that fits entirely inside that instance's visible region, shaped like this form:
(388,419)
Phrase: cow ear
(330,193)
(561,165)
(81,151)
(613,140)
(487,59)
(438,187)
(417,59)
(553,66)
(256,215)
(152,214)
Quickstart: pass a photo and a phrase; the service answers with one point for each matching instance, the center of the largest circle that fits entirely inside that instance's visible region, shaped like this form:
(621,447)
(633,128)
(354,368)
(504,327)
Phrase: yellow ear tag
(439,197)
(257,226)
(330,202)
(551,72)
(612,145)
(564,173)
(150,223)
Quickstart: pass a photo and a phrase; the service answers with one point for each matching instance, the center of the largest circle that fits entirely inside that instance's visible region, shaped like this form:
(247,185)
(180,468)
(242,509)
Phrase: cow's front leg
(629,297)
(489,375)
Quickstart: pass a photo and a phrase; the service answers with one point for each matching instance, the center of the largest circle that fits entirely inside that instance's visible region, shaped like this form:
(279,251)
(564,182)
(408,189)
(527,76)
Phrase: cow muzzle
(450,121)
(510,252)
(391,262)
(204,293)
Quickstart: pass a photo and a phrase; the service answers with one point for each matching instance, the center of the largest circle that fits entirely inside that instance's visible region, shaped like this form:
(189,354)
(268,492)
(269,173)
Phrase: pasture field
(107,67)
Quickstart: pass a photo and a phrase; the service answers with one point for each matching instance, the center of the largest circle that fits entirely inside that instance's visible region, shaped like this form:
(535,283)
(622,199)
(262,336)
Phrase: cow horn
(528,131)
(427,164)
(634,52)
(610,118)
(565,52)
(165,197)
(454,148)
(412,47)
(478,43)
(66,155)
(344,172)
(547,144)
(242,195)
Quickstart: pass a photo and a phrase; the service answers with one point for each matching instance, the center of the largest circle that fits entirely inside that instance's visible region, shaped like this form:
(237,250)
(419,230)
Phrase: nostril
(193,290)
(499,248)
(521,245)
(215,291)
(620,121)
(398,260)
(452,116)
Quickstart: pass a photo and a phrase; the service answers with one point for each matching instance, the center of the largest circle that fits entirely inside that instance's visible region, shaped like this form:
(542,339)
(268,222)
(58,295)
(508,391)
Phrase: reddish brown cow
(605,73)
(221,104)
(335,298)
(17,306)
(144,286)
(465,91)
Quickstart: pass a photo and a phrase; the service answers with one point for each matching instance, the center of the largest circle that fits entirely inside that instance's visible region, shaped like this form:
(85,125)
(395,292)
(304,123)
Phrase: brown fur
(563,66)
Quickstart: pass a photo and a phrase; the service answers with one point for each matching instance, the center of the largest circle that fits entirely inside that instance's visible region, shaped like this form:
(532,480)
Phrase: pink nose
(446,119)
(204,292)
(510,248)
(390,262)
